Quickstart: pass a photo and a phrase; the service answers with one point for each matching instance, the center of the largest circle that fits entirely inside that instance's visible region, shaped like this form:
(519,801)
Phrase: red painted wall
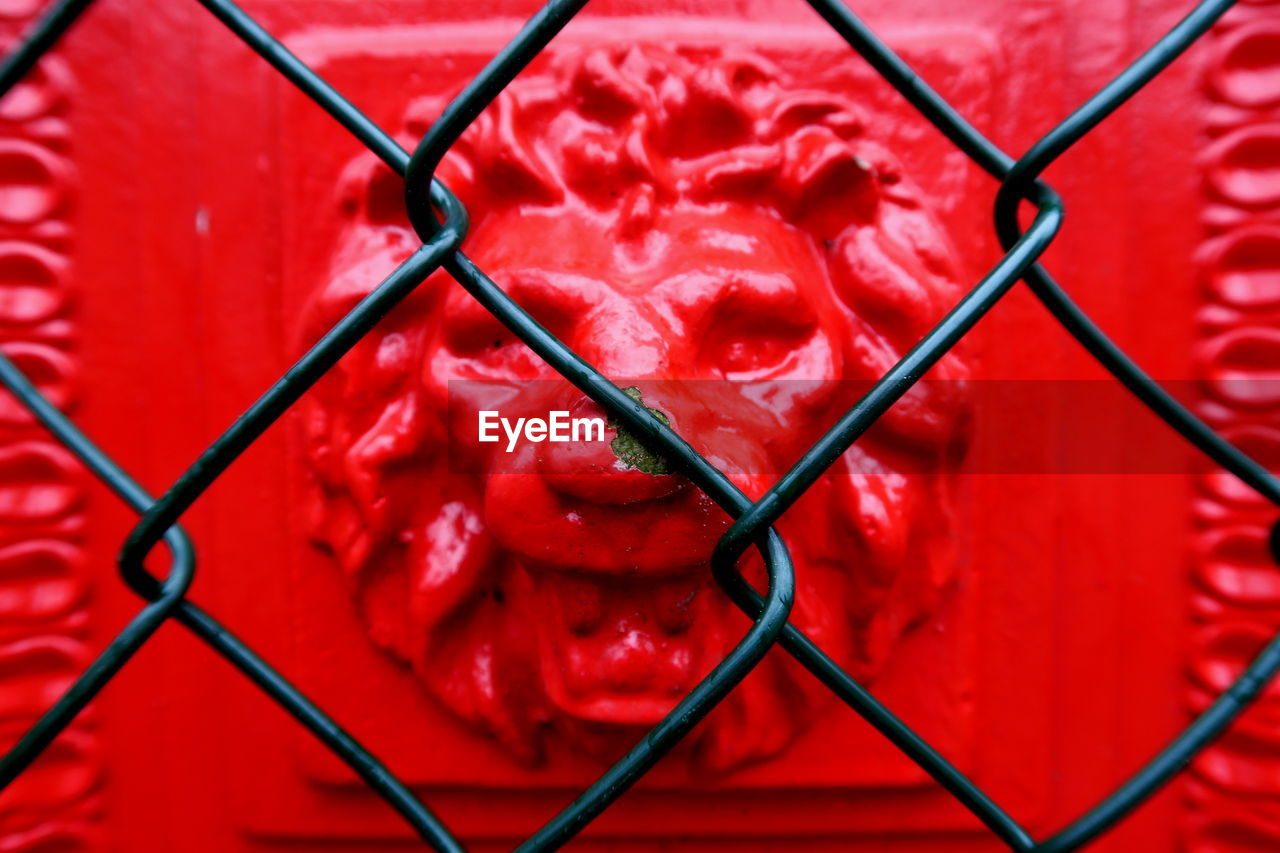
(171,210)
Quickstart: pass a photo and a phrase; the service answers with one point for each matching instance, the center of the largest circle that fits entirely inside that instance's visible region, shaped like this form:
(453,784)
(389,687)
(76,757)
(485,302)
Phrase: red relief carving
(59,837)
(1234,787)
(673,215)
(35,671)
(43,582)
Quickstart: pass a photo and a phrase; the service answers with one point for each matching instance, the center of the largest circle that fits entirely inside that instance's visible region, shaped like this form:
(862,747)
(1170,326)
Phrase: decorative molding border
(1233,790)
(44,582)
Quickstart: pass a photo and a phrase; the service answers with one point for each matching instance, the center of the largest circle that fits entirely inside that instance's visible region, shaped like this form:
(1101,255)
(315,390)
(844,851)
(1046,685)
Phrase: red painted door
(1048,607)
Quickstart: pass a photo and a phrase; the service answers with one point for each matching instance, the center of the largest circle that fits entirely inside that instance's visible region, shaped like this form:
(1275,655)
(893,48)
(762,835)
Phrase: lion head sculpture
(746,256)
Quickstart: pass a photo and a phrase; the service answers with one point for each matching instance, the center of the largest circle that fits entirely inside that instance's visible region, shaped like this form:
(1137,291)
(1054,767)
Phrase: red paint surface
(177,223)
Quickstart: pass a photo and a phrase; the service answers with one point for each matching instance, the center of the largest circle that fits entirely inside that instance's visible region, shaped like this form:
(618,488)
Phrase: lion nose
(623,343)
(611,467)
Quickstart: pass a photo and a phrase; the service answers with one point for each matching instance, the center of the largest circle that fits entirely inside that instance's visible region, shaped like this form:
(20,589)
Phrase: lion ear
(435,566)
(368,428)
(901,527)
(401,432)
(879,500)
(464,640)
(825,184)
(450,559)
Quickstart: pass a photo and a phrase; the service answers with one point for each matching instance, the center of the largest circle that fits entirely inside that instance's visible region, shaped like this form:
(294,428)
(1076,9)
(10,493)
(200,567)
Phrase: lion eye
(483,348)
(747,354)
(473,333)
(746,341)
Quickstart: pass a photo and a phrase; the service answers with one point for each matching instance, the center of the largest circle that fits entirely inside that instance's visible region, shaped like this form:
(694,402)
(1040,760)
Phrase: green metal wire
(37,41)
(442,236)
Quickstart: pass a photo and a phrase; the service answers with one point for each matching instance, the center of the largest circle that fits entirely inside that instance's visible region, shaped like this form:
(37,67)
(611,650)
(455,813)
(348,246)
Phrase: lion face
(564,588)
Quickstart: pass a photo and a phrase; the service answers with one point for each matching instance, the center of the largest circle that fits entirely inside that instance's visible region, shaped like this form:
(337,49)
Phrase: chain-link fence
(441,222)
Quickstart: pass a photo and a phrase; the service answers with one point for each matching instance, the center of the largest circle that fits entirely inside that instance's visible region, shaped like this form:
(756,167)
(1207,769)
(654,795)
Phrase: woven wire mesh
(441,222)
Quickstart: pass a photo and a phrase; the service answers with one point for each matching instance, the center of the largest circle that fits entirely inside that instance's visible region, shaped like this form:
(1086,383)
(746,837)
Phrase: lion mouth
(620,605)
(621,650)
